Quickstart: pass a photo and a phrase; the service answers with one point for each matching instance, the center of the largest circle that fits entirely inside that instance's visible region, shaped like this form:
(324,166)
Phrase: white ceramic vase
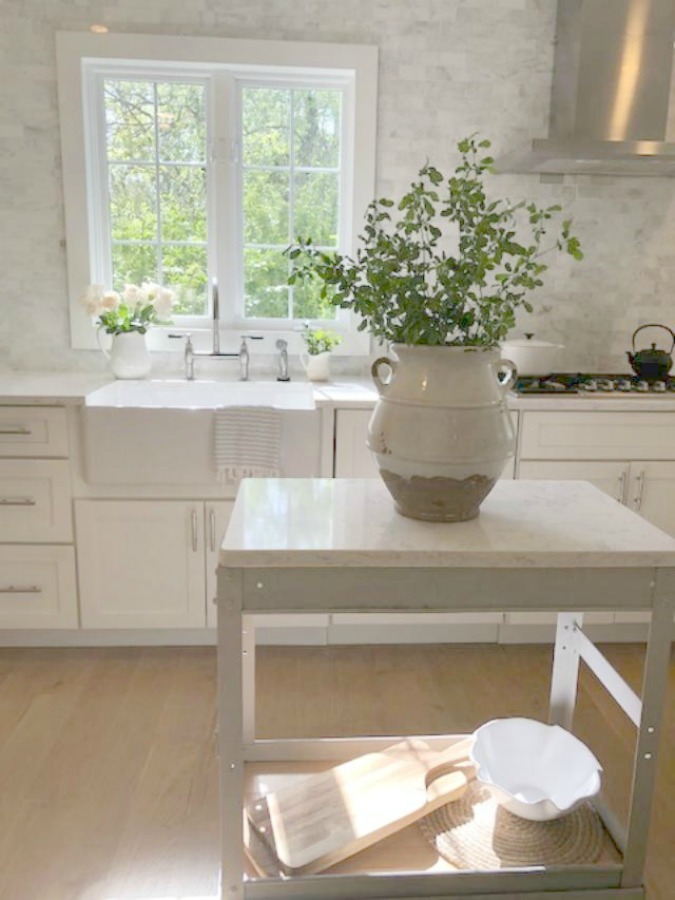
(128,355)
(440,431)
(317,366)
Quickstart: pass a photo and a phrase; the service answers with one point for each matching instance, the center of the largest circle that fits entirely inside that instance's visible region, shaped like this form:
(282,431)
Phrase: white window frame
(239,63)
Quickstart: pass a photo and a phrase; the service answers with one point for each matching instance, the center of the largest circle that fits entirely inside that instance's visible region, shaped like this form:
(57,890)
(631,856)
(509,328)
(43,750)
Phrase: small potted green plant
(316,358)
(439,276)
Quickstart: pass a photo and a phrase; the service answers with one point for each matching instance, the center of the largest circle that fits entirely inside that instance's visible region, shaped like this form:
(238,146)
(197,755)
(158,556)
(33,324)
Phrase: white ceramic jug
(317,365)
(440,431)
(128,355)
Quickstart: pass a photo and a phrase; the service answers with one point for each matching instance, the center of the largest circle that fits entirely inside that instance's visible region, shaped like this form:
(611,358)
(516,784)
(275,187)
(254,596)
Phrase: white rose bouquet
(135,309)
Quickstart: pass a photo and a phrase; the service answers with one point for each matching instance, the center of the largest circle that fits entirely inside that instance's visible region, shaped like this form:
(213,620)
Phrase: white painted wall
(448,68)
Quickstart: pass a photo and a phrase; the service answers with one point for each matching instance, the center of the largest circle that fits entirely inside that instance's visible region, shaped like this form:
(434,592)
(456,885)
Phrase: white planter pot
(440,431)
(316,366)
(128,355)
(532,357)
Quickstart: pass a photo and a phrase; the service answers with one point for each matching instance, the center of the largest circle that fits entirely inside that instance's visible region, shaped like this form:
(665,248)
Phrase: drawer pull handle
(639,486)
(193,518)
(212,530)
(17,501)
(16,429)
(33,589)
(622,487)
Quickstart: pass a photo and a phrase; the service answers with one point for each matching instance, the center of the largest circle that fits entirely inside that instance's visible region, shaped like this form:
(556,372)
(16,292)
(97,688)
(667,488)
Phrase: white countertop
(56,388)
(50,388)
(353,523)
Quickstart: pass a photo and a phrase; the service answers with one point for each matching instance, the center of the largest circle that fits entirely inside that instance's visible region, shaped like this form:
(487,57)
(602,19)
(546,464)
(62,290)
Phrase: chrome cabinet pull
(17,501)
(639,485)
(33,589)
(15,429)
(621,494)
(194,530)
(212,530)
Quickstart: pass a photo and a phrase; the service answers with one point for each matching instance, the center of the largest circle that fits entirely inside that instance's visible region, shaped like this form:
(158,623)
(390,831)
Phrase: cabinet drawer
(33,431)
(35,501)
(597,435)
(37,587)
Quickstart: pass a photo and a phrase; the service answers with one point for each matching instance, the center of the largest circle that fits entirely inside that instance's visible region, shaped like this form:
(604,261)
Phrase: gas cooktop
(566,383)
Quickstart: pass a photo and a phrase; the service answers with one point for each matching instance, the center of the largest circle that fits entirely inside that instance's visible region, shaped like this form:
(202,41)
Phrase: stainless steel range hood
(611,92)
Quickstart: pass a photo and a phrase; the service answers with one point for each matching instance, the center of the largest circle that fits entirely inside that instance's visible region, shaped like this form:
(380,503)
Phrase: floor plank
(108,780)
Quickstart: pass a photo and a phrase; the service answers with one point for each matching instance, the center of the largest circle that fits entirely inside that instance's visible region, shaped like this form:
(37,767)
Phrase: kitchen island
(337,545)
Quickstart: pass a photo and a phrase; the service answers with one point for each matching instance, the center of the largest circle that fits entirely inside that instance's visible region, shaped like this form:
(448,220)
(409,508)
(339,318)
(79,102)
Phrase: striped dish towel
(247,442)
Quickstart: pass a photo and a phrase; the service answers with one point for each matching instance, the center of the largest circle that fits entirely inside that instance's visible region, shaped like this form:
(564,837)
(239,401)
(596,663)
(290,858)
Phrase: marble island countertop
(353,523)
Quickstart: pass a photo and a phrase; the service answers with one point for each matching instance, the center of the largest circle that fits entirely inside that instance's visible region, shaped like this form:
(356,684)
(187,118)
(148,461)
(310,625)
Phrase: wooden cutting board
(320,820)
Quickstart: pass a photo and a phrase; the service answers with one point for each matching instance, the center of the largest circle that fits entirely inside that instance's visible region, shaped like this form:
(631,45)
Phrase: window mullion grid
(160,257)
(103,230)
(291,199)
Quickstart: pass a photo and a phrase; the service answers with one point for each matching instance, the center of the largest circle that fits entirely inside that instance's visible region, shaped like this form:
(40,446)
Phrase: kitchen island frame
(295,546)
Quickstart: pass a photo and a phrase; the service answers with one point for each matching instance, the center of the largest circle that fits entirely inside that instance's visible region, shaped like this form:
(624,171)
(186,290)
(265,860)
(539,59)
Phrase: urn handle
(506,374)
(380,384)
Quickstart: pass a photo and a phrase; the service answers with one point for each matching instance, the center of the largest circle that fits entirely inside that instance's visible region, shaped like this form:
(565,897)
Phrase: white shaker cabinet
(352,458)
(37,557)
(141,563)
(628,455)
(216,517)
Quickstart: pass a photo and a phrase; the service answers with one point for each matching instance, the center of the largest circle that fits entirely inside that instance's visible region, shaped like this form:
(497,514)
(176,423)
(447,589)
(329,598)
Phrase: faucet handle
(282,347)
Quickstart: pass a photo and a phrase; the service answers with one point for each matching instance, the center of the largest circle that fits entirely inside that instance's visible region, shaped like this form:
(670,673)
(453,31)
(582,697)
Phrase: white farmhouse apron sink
(160,432)
(181,394)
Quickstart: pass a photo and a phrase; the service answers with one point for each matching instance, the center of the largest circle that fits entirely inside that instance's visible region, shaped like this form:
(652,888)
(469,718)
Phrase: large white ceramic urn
(441,432)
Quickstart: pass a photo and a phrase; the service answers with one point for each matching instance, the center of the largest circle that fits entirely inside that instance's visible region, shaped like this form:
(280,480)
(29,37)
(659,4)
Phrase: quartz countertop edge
(353,523)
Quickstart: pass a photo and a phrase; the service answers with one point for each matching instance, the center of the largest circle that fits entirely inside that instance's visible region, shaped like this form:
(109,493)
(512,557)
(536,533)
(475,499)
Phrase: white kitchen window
(196,162)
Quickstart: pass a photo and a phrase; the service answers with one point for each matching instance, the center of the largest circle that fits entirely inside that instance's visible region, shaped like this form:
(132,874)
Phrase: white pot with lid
(531,357)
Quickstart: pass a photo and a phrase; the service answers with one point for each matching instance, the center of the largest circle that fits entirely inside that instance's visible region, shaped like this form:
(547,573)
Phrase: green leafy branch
(409,289)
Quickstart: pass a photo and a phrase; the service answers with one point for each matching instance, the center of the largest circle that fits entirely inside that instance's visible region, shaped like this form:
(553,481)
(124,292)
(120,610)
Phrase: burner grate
(566,383)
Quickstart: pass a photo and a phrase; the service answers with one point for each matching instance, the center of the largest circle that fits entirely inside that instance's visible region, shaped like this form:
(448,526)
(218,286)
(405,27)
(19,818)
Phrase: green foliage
(156,147)
(287,133)
(405,284)
(320,340)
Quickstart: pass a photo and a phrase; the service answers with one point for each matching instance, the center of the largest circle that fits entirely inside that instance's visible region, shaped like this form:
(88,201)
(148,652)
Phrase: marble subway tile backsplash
(447,68)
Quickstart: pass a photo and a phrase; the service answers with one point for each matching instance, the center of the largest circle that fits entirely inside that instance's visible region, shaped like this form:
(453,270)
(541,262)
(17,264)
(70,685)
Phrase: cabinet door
(141,563)
(352,458)
(651,492)
(217,515)
(610,477)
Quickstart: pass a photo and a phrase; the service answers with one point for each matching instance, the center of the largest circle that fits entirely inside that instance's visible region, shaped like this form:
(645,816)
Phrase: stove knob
(659,387)
(590,385)
(606,384)
(623,385)
(642,386)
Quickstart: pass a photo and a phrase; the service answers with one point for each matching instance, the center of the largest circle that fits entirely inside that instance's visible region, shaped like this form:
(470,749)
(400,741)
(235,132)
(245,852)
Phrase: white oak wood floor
(108,782)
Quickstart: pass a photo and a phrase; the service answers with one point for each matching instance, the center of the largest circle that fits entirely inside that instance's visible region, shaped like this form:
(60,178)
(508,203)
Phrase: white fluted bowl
(536,771)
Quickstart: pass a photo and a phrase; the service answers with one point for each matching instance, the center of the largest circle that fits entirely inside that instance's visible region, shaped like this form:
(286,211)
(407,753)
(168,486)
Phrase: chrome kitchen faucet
(242,354)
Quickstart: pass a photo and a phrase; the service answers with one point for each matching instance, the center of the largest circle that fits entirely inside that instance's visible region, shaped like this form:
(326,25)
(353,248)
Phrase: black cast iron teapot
(651,364)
